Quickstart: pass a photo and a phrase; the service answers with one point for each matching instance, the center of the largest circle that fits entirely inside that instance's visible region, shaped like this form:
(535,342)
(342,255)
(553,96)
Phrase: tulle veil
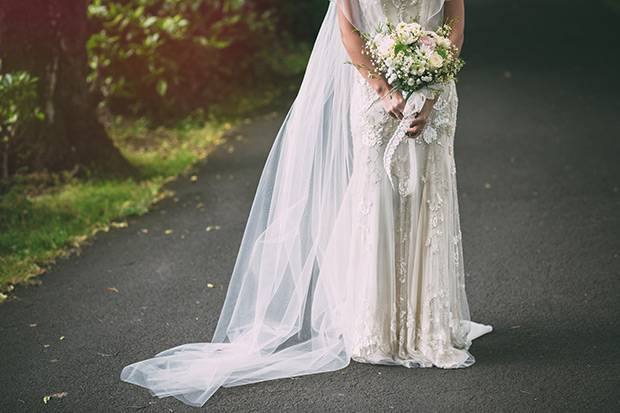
(286,310)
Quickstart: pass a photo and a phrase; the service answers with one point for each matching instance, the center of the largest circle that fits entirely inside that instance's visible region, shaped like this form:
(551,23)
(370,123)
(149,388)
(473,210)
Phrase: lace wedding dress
(406,250)
(335,263)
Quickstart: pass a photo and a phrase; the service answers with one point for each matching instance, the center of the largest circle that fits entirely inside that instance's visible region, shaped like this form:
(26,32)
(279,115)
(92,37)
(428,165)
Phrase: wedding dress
(336,263)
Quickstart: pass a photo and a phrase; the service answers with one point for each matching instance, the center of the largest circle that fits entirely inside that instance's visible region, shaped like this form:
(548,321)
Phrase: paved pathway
(539,176)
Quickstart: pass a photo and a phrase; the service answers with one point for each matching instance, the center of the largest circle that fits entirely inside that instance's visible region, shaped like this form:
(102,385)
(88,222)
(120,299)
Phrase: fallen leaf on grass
(112,289)
(193,178)
(515,327)
(212,228)
(144,231)
(210,285)
(119,225)
(168,231)
(32,325)
(62,338)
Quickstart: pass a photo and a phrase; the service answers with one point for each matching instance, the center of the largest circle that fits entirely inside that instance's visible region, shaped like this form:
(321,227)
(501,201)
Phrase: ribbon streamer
(412,108)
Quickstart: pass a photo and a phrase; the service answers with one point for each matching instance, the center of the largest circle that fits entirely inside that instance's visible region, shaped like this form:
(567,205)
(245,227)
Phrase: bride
(335,262)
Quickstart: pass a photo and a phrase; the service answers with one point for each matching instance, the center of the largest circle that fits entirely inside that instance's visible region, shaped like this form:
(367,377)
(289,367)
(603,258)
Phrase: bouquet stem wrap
(412,108)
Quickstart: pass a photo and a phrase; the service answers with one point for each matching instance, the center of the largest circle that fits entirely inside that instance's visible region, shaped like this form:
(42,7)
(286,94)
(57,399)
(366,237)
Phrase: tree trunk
(48,39)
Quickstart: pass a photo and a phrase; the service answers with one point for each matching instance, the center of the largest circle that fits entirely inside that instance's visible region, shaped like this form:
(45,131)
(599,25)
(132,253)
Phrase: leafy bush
(17,97)
(163,58)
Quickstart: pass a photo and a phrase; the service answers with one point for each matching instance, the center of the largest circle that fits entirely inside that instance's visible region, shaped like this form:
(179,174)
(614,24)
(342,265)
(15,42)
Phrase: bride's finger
(416,118)
(417,122)
(414,130)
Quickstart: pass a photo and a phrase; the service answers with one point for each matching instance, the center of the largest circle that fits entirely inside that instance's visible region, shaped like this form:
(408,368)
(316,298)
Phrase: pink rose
(428,42)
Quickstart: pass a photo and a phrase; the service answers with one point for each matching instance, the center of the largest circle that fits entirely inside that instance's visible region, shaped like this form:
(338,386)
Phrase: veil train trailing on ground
(289,308)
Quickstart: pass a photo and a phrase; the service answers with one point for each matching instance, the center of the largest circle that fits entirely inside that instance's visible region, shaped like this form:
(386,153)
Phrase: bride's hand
(394,104)
(418,124)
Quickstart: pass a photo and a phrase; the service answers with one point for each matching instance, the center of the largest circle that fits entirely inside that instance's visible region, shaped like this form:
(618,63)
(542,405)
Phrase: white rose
(435,60)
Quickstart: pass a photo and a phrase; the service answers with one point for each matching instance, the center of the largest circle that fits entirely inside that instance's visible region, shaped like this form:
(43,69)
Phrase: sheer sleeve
(365,15)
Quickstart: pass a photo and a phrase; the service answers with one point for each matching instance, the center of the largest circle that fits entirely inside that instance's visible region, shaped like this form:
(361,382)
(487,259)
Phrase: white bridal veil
(286,310)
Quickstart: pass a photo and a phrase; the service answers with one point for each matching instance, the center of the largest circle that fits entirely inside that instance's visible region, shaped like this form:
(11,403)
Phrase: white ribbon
(412,108)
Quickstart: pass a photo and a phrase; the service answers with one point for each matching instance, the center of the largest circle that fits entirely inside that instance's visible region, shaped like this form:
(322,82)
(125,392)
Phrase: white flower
(420,68)
(444,42)
(436,61)
(385,45)
(423,51)
(426,78)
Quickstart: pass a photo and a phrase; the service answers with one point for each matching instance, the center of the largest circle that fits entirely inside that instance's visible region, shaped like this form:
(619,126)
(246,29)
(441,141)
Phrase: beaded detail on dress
(400,10)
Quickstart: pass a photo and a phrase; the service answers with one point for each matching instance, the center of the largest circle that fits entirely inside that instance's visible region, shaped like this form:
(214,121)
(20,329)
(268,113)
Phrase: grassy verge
(47,216)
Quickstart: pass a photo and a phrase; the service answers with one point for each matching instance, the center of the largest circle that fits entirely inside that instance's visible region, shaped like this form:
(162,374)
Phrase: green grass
(47,216)
(39,225)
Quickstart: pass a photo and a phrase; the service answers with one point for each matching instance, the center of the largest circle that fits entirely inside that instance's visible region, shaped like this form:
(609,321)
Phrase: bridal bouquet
(417,61)
(412,58)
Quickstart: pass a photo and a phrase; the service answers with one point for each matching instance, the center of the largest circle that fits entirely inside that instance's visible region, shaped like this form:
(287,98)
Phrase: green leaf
(400,47)
(162,87)
(201,40)
(149,21)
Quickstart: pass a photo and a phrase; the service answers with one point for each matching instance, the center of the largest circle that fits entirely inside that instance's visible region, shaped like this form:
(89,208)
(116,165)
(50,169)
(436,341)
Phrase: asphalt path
(538,159)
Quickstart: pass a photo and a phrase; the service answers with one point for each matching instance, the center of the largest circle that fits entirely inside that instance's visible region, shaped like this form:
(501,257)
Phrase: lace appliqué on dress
(409,312)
